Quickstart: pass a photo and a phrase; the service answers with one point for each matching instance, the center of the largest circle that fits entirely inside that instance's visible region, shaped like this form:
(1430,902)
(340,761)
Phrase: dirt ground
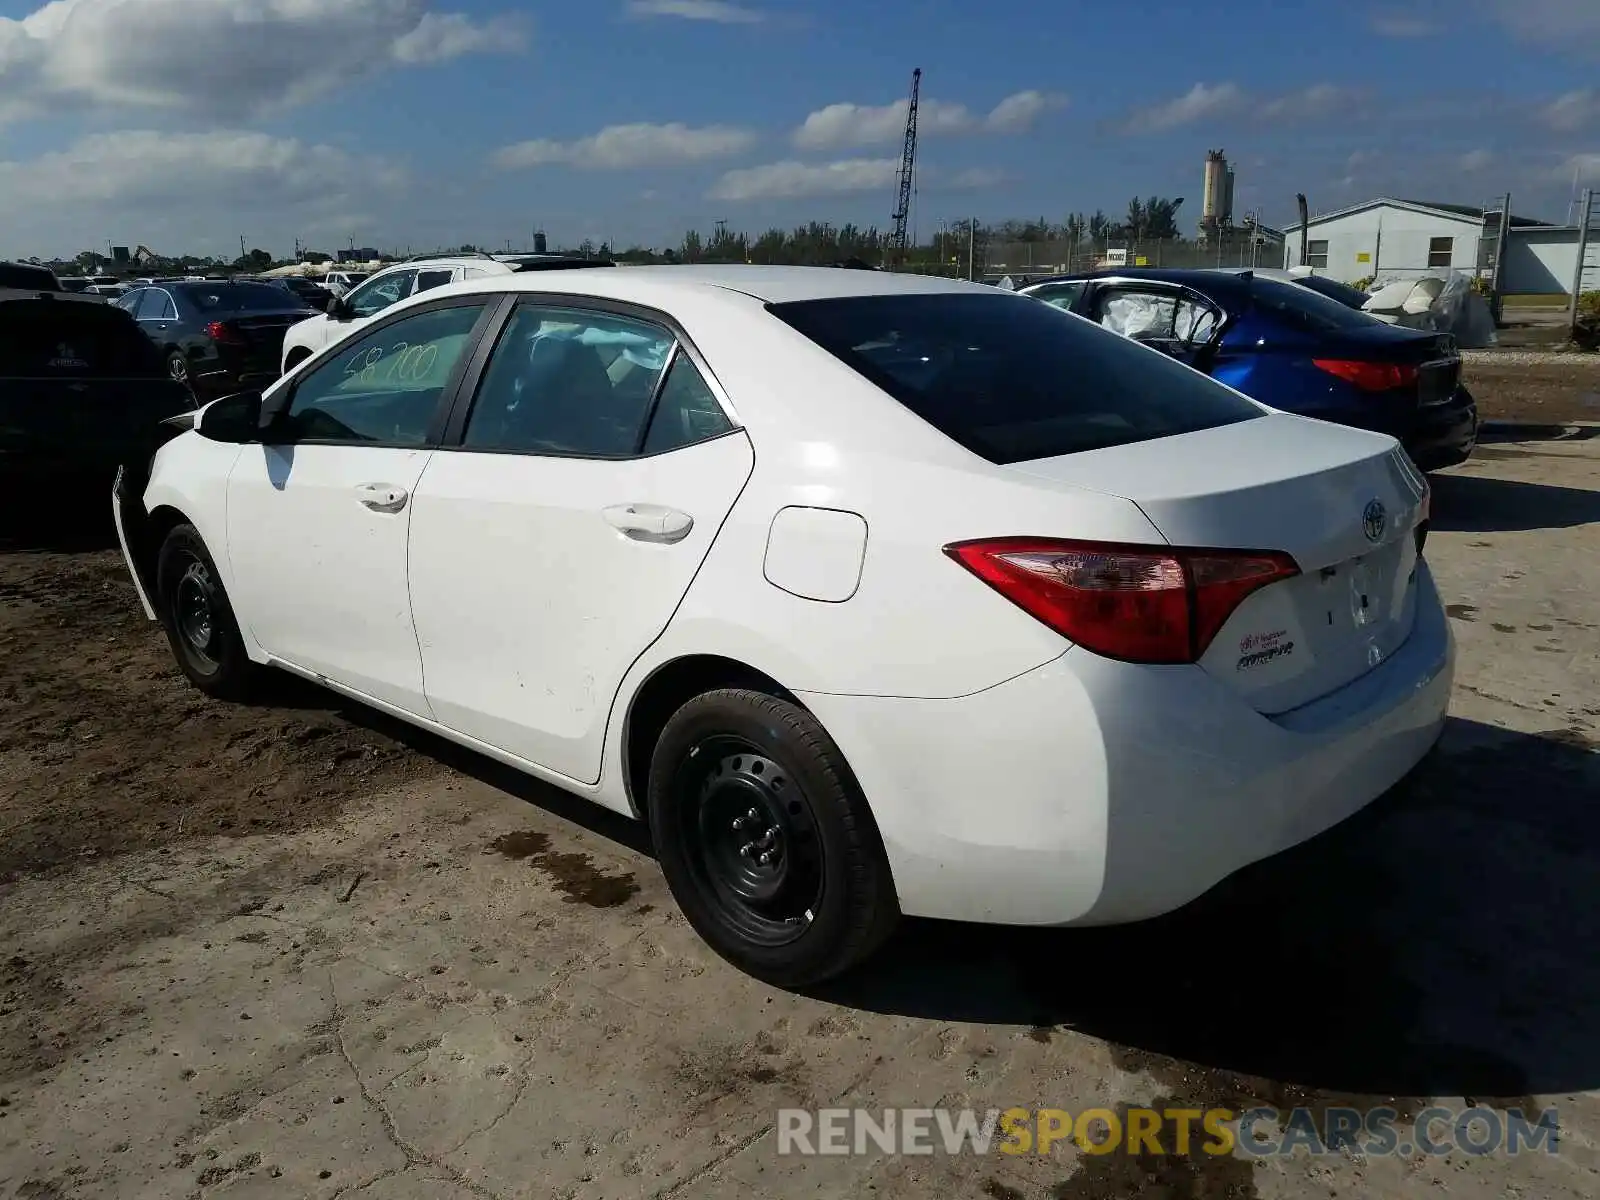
(294,950)
(103,747)
(1547,389)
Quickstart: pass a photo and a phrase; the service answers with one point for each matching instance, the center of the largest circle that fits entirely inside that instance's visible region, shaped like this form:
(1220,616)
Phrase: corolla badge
(1374,520)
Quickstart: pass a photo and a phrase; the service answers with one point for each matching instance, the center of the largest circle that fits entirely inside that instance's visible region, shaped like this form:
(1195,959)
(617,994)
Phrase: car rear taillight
(222,331)
(1369,376)
(1143,604)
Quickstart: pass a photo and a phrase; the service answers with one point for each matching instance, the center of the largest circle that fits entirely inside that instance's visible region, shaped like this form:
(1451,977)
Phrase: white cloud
(1585,168)
(719,11)
(1318,100)
(839,126)
(1475,160)
(1401,25)
(1570,25)
(1573,111)
(618,147)
(1016,114)
(1201,101)
(794,180)
(1208,101)
(439,37)
(227,57)
(146,185)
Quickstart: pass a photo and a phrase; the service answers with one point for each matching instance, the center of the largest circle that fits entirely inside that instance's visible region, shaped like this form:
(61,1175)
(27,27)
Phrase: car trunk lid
(1343,503)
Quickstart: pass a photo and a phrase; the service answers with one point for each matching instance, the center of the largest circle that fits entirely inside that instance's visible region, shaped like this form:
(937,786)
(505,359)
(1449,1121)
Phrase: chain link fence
(991,259)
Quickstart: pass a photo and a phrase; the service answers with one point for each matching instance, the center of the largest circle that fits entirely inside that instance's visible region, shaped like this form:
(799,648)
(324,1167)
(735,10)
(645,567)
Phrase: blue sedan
(1291,347)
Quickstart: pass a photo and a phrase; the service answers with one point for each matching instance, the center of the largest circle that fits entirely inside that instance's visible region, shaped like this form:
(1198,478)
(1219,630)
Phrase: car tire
(198,618)
(178,369)
(765,839)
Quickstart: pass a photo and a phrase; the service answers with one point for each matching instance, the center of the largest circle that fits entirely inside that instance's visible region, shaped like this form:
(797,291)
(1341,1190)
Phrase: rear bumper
(1445,434)
(1094,792)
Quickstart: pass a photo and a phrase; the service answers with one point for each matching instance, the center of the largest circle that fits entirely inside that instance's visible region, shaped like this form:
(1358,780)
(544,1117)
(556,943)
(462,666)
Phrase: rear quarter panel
(918,624)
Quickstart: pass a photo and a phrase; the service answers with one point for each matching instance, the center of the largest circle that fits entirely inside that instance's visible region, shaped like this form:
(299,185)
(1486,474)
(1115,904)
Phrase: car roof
(770,285)
(1196,277)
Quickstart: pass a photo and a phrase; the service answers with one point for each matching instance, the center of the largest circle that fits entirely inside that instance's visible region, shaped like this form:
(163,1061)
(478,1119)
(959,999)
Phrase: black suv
(82,391)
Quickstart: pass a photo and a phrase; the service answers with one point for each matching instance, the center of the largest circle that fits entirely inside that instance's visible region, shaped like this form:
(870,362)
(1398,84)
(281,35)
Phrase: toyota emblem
(1374,519)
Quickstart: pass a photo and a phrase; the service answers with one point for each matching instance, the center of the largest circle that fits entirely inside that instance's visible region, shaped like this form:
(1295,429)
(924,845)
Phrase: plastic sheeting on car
(1441,302)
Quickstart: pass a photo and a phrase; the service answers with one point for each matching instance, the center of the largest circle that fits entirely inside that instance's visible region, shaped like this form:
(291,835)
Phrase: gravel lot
(1539,387)
(294,950)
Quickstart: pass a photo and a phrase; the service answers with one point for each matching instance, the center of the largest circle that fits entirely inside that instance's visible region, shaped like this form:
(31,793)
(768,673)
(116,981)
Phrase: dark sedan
(1292,347)
(217,336)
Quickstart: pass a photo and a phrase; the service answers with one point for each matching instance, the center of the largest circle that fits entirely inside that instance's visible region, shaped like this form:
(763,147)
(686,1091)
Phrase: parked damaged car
(1291,347)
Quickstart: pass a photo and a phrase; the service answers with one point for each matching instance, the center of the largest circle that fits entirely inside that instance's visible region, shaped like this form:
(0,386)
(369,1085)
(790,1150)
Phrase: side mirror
(338,309)
(235,419)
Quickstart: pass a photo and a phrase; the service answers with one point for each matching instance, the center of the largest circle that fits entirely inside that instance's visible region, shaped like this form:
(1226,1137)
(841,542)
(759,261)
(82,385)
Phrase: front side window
(563,381)
(384,387)
(378,294)
(1008,380)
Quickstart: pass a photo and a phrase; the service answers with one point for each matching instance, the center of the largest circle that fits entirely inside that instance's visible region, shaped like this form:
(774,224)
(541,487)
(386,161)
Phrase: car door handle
(649,522)
(382,497)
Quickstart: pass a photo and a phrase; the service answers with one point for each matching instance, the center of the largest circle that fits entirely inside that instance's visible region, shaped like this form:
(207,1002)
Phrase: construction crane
(908,159)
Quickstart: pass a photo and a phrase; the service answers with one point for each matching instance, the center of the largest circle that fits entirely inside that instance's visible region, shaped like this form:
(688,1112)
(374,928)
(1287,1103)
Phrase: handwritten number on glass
(407,363)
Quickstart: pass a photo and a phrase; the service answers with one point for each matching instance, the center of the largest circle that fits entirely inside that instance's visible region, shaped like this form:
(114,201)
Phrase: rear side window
(239,297)
(1012,379)
(72,339)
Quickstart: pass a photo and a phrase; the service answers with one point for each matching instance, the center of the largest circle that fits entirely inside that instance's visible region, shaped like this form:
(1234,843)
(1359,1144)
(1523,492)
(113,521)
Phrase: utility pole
(241,246)
(972,243)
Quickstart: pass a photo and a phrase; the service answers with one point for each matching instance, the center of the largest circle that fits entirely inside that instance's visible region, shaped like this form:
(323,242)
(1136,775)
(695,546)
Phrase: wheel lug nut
(772,834)
(765,859)
(754,815)
(748,849)
(738,822)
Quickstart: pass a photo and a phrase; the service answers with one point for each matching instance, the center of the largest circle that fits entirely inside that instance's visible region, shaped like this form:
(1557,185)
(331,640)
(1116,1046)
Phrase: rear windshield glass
(1342,292)
(18,275)
(240,297)
(1306,309)
(71,339)
(1012,379)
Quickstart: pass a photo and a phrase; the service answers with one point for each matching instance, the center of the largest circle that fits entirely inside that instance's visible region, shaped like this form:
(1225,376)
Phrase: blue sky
(183,124)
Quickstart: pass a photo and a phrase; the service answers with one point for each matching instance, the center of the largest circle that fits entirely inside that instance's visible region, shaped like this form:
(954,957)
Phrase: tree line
(819,242)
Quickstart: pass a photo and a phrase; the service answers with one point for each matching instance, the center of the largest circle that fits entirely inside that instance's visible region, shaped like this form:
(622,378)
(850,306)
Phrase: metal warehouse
(1393,238)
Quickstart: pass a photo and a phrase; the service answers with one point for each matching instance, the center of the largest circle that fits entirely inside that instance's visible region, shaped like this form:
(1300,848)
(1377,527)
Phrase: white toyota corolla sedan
(872,594)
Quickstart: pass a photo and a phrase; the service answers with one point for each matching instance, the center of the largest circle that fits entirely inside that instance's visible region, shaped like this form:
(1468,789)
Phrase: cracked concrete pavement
(466,986)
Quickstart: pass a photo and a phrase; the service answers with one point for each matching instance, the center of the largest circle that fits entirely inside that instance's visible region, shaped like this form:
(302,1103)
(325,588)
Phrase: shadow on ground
(1479,504)
(68,527)
(1439,943)
(281,690)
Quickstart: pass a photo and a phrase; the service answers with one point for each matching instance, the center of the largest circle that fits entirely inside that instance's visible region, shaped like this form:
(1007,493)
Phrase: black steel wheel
(195,612)
(765,839)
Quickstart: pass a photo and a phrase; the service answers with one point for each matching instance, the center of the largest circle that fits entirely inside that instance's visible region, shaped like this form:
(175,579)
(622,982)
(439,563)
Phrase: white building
(1395,238)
